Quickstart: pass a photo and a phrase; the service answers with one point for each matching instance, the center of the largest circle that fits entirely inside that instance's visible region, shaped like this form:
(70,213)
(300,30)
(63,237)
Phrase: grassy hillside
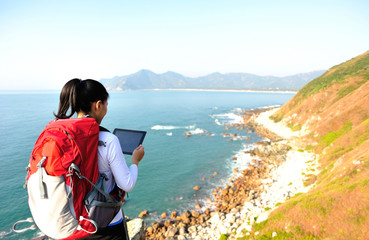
(333,110)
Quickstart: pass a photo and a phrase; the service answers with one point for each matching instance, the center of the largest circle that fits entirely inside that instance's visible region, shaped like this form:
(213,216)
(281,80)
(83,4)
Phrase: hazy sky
(45,43)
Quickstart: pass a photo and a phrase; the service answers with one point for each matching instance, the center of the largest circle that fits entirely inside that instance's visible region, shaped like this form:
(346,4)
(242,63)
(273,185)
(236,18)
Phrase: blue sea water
(173,163)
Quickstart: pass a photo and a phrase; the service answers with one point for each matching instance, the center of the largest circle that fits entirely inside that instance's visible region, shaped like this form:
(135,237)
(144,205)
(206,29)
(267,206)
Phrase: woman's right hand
(138,154)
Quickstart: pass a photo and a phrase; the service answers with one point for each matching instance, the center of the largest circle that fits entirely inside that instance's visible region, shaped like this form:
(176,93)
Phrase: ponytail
(78,95)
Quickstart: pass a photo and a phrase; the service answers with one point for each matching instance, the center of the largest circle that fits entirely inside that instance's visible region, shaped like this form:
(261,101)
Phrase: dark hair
(78,95)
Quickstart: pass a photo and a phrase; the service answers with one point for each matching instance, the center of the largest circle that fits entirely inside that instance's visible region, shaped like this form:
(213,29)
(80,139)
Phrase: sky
(43,44)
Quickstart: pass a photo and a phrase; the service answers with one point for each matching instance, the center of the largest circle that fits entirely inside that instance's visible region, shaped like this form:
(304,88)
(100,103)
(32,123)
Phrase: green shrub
(345,91)
(224,237)
(276,117)
(329,138)
(294,127)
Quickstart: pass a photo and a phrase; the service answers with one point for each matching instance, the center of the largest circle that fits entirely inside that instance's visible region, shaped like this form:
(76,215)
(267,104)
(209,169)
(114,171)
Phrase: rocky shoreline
(250,196)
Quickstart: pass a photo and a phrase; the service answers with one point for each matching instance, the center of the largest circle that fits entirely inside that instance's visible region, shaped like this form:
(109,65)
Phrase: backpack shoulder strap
(102,129)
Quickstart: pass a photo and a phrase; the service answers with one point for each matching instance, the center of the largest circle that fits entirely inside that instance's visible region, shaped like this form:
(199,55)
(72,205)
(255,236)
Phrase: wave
(266,107)
(3,234)
(227,118)
(169,127)
(197,131)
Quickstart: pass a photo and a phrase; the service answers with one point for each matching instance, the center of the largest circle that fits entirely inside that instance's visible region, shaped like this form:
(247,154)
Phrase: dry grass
(337,113)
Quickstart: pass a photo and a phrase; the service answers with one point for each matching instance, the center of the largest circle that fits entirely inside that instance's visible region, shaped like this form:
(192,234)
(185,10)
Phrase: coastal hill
(332,113)
(146,79)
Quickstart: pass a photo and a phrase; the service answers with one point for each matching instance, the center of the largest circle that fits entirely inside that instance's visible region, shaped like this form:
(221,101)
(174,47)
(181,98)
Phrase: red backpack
(62,180)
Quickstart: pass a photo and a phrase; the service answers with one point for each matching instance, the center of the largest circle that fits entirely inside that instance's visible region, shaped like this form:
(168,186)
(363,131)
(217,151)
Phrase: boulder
(136,229)
(186,217)
(195,213)
(207,211)
(196,188)
(171,232)
(155,225)
(143,214)
(174,215)
(150,230)
(182,231)
(167,223)
(224,192)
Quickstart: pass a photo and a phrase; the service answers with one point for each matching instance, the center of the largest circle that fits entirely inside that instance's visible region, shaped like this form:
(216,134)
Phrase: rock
(215,173)
(181,225)
(198,206)
(196,188)
(163,215)
(215,219)
(263,216)
(171,232)
(155,225)
(136,229)
(186,217)
(195,213)
(192,229)
(167,223)
(143,214)
(224,192)
(174,215)
(207,211)
(182,231)
(150,230)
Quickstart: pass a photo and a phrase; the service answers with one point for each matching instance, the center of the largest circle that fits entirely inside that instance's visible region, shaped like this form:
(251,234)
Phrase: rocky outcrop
(226,210)
(275,174)
(136,230)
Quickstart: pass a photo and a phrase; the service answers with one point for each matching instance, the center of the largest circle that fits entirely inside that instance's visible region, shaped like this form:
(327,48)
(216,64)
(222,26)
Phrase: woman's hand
(138,154)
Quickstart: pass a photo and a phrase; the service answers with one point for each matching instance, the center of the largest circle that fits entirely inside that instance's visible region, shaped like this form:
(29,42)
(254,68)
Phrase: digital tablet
(129,139)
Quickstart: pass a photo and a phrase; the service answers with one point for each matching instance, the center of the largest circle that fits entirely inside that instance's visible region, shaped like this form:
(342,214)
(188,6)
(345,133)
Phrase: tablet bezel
(130,130)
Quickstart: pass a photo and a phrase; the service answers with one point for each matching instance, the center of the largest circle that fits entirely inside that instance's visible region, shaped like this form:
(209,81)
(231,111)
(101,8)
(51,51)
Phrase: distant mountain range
(146,79)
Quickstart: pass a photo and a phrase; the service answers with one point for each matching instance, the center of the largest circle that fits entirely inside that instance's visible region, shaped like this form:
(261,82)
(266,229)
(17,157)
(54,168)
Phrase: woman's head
(81,96)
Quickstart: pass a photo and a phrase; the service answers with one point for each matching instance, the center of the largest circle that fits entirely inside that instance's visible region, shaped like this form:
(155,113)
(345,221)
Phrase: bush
(223,237)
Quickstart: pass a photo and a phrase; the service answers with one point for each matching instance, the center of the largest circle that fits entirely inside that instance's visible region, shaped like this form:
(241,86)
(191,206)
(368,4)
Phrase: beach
(277,172)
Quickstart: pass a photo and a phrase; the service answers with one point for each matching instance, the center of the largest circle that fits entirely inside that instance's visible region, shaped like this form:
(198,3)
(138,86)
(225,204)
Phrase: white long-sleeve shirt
(111,162)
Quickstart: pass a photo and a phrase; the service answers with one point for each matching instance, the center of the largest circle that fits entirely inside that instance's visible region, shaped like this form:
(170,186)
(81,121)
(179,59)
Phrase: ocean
(173,164)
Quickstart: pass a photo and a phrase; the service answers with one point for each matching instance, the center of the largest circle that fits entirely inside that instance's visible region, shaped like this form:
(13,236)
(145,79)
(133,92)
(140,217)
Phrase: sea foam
(227,118)
(169,127)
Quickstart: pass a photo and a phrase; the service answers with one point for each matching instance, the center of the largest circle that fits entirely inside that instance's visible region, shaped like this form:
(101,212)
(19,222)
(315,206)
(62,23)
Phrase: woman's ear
(99,105)
(95,107)
(98,110)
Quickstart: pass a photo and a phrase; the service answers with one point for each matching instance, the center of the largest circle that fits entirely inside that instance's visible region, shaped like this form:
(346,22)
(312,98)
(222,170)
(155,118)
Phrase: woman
(89,98)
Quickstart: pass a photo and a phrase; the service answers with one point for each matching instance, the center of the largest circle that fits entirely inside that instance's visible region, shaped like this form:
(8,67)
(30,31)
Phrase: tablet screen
(129,139)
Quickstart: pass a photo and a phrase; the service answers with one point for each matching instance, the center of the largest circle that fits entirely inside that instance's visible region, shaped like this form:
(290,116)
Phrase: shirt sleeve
(124,177)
